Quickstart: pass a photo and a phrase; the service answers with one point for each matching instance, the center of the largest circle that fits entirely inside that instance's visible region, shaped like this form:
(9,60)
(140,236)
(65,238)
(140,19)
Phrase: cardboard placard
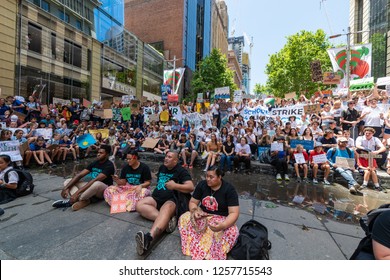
(319,207)
(106,104)
(135,106)
(46,133)
(21,116)
(320,158)
(348,163)
(99,113)
(104,132)
(118,203)
(61,101)
(86,103)
(290,95)
(331,78)
(154,117)
(298,199)
(117,100)
(199,98)
(150,143)
(45,110)
(312,109)
(107,114)
(299,158)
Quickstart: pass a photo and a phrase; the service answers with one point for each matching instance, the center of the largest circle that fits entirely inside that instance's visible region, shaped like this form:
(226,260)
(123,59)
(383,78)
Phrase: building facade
(372,16)
(237,45)
(178,28)
(219,26)
(235,67)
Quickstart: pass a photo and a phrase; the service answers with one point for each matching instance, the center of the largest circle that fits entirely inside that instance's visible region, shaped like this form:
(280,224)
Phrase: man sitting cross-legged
(161,206)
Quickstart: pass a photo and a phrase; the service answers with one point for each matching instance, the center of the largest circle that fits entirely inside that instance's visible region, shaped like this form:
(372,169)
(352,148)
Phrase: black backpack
(252,242)
(364,249)
(25,183)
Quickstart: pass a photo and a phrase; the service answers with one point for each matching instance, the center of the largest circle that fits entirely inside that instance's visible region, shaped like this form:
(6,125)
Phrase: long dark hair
(6,158)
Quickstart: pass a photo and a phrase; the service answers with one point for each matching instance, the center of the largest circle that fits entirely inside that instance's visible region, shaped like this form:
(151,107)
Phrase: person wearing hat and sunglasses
(346,173)
(350,119)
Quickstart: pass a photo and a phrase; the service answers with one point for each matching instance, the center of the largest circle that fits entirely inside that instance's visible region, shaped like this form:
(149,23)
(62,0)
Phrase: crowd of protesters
(357,123)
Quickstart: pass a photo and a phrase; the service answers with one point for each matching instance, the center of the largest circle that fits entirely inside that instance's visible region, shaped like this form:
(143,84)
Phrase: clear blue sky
(269,22)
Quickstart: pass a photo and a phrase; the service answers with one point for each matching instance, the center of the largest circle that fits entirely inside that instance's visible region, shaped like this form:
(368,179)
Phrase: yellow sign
(104,132)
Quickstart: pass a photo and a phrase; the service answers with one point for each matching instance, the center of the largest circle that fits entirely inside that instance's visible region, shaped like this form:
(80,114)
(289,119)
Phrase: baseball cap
(342,139)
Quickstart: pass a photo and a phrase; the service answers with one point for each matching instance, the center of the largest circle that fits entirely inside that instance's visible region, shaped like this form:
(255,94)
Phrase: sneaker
(184,165)
(171,225)
(143,242)
(299,179)
(380,189)
(61,203)
(352,189)
(80,204)
(326,182)
(286,178)
(190,166)
(305,180)
(278,177)
(315,181)
(362,187)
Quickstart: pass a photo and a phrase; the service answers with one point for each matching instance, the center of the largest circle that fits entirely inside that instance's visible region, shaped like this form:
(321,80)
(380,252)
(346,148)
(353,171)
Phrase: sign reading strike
(11,148)
(284,112)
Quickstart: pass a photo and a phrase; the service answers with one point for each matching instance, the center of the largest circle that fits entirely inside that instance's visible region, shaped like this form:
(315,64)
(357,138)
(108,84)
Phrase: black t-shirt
(381,229)
(228,148)
(136,176)
(351,116)
(178,174)
(107,168)
(216,202)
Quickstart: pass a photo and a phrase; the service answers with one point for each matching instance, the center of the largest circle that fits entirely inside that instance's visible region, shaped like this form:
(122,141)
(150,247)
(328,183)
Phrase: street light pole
(347,67)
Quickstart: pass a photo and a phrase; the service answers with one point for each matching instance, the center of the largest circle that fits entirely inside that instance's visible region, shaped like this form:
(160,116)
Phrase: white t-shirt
(12,176)
(373,118)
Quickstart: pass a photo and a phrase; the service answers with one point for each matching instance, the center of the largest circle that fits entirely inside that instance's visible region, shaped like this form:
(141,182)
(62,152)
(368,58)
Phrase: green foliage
(289,69)
(212,72)
(261,89)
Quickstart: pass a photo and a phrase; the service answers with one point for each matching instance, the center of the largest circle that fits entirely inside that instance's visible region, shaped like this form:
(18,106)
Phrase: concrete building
(235,66)
(372,16)
(237,45)
(246,73)
(178,28)
(219,26)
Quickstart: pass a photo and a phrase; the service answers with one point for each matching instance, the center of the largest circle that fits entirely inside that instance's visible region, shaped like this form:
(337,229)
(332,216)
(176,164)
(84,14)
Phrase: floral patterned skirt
(131,196)
(206,244)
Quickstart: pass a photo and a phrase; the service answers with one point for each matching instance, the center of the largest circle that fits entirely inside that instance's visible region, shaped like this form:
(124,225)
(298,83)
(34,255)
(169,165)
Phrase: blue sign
(261,149)
(308,145)
(166,88)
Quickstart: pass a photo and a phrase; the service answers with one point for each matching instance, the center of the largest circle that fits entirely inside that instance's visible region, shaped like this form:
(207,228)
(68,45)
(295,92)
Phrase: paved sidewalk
(32,229)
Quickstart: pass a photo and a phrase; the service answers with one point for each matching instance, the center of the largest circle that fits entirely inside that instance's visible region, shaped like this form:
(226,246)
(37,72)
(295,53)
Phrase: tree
(213,72)
(289,69)
(261,89)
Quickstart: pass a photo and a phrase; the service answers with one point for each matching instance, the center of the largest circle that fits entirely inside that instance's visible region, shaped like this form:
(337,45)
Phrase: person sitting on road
(78,194)
(209,230)
(134,181)
(322,166)
(163,205)
(346,173)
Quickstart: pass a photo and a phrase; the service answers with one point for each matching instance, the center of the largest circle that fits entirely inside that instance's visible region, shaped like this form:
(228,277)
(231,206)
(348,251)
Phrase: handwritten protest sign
(61,101)
(345,162)
(237,96)
(150,143)
(126,113)
(299,158)
(46,133)
(154,117)
(107,114)
(312,109)
(135,106)
(106,104)
(199,97)
(222,93)
(104,132)
(275,146)
(320,158)
(99,113)
(12,149)
(86,103)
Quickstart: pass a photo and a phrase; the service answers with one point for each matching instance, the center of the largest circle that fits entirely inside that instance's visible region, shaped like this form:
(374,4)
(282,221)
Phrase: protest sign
(298,199)
(199,98)
(46,133)
(150,143)
(99,113)
(261,150)
(135,106)
(258,111)
(107,114)
(237,96)
(290,95)
(299,158)
(76,100)
(176,112)
(276,146)
(11,148)
(319,207)
(331,78)
(61,101)
(286,112)
(320,158)
(106,104)
(85,140)
(172,98)
(117,100)
(126,113)
(307,144)
(154,117)
(3,125)
(126,99)
(312,109)
(222,93)
(164,116)
(86,103)
(104,132)
(45,110)
(348,163)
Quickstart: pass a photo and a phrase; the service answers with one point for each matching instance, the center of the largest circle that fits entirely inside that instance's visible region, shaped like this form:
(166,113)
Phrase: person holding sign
(346,173)
(367,170)
(317,161)
(279,158)
(300,158)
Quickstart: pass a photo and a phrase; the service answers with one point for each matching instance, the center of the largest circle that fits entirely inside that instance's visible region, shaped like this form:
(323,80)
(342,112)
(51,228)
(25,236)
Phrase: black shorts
(160,202)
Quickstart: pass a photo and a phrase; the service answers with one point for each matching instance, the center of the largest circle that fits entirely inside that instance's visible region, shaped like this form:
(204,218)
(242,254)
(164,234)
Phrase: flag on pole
(169,78)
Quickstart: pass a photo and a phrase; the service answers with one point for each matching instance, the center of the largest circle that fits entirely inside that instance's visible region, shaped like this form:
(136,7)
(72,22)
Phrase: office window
(63,16)
(72,53)
(76,55)
(78,25)
(45,6)
(53,45)
(34,38)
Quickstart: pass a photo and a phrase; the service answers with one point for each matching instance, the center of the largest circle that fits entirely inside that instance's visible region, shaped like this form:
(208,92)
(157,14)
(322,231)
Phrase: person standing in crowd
(209,231)
(78,194)
(346,173)
(134,182)
(350,119)
(162,207)
(372,116)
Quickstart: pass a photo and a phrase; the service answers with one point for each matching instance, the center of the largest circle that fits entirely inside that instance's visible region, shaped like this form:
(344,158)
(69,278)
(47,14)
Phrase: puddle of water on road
(334,202)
